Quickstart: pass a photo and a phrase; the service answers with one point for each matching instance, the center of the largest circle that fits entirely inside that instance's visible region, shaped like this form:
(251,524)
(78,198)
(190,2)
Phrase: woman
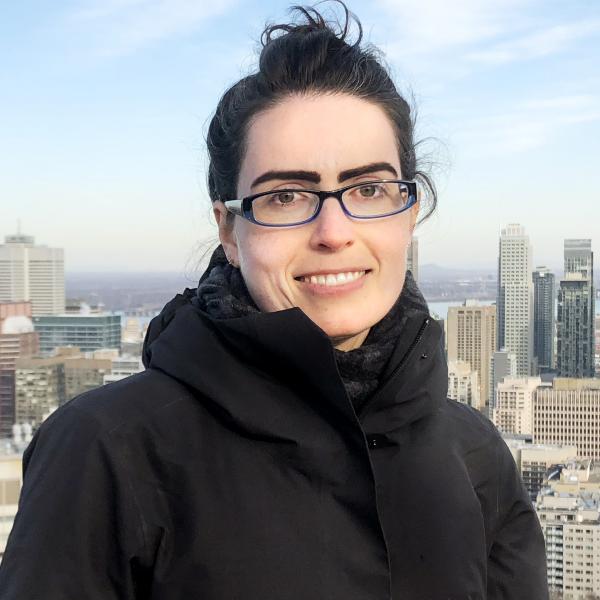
(290,438)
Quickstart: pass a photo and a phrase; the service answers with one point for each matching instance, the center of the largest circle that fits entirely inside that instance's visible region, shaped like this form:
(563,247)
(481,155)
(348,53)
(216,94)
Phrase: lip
(331,272)
(320,289)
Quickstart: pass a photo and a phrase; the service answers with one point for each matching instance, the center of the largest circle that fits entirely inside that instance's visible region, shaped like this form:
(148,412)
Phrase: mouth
(333,279)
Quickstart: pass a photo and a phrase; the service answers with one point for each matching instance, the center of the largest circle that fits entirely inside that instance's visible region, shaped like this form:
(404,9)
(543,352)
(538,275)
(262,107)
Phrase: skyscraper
(34,273)
(543,318)
(412,258)
(515,297)
(575,350)
(472,338)
(579,257)
(575,318)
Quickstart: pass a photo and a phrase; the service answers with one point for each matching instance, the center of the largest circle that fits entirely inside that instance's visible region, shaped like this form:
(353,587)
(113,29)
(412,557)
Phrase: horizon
(105,106)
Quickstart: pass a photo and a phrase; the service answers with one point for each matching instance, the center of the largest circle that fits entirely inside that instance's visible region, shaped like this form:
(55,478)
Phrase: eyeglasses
(293,206)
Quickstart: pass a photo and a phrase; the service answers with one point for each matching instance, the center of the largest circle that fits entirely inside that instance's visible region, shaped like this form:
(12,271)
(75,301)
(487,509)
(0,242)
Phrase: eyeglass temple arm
(234,206)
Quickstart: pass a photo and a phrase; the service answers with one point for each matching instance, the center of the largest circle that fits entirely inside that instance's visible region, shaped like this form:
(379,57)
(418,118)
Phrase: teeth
(333,279)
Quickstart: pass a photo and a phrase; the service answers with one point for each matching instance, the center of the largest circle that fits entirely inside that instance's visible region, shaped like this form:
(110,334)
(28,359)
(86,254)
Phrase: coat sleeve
(517,560)
(77,533)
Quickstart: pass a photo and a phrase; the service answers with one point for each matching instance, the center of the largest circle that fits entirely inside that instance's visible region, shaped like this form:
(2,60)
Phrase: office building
(86,332)
(566,413)
(568,507)
(543,318)
(17,340)
(83,374)
(123,366)
(42,384)
(503,364)
(471,337)
(11,467)
(534,461)
(579,258)
(132,338)
(575,327)
(463,383)
(32,273)
(39,389)
(515,297)
(513,413)
(412,258)
(597,371)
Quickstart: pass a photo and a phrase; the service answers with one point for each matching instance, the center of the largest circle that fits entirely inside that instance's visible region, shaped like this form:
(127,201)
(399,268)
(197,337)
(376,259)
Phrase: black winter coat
(235,468)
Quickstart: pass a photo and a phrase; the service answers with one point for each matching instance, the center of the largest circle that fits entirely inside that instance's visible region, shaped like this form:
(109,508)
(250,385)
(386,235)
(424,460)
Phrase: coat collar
(286,348)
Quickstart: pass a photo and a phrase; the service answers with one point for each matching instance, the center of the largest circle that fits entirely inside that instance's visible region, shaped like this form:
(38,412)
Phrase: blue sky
(104,105)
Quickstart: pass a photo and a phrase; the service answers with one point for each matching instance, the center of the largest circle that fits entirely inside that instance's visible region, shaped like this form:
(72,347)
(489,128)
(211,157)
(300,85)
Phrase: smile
(332,279)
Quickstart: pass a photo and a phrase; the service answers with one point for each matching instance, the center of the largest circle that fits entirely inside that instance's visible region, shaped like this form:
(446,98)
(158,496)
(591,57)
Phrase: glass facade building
(87,332)
(543,318)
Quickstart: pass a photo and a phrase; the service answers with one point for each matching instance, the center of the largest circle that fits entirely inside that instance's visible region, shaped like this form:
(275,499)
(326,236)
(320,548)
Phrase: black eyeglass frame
(243,207)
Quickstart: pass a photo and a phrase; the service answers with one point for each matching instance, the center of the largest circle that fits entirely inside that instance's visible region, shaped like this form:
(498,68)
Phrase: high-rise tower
(515,297)
(34,273)
(472,338)
(575,319)
(543,318)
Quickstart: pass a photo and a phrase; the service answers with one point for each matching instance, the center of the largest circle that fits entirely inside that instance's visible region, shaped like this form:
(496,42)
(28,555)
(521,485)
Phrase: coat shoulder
(468,423)
(138,398)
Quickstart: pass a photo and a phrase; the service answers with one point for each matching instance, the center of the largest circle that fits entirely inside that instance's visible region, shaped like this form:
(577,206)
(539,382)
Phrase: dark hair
(304,57)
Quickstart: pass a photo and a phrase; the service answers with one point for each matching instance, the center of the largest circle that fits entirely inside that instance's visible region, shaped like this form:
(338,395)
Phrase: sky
(104,106)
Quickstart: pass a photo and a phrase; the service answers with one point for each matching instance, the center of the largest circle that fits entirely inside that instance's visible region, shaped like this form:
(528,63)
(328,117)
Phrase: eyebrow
(314,177)
(311,176)
(372,168)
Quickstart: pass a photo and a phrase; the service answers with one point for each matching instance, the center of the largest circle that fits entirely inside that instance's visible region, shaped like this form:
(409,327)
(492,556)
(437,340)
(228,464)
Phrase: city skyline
(105,105)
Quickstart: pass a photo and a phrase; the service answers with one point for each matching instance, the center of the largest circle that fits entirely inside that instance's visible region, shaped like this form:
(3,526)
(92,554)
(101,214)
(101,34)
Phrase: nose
(332,229)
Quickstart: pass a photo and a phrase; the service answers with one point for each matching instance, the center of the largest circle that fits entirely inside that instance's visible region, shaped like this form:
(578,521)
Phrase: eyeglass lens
(295,206)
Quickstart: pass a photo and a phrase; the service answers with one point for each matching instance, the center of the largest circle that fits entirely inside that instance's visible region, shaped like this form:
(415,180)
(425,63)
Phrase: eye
(370,190)
(284,197)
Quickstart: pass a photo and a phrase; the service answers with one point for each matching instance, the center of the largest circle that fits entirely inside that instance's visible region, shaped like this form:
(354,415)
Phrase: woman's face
(321,142)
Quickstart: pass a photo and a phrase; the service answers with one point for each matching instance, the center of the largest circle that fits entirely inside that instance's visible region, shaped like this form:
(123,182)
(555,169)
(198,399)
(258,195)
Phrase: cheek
(392,244)
(265,260)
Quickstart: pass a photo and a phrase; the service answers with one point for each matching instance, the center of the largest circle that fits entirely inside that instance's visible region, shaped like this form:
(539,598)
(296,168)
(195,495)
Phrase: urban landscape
(523,347)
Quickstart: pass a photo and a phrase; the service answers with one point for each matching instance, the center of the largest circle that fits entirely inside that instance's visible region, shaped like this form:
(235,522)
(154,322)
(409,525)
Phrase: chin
(343,330)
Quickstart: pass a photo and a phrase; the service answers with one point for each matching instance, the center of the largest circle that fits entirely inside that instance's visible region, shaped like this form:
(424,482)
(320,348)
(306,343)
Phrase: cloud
(125,26)
(538,44)
(437,43)
(573,102)
(531,125)
(427,27)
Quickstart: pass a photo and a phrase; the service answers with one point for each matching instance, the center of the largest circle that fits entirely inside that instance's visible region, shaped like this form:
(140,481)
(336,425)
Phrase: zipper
(414,344)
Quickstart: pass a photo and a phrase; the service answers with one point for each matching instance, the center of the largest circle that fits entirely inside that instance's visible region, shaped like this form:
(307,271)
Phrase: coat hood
(220,358)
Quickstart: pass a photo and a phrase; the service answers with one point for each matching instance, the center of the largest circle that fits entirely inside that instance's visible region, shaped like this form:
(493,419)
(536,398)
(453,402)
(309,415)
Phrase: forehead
(324,133)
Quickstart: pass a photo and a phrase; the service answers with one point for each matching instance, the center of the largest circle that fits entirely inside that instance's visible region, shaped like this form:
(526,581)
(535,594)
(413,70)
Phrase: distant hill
(149,292)
(144,292)
(433,272)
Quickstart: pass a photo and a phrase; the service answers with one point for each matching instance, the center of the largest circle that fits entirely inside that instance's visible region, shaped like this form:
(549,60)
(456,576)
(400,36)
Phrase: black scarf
(222,294)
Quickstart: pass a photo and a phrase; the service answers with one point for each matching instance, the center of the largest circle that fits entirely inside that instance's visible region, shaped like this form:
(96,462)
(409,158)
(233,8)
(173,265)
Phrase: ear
(414,213)
(226,232)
